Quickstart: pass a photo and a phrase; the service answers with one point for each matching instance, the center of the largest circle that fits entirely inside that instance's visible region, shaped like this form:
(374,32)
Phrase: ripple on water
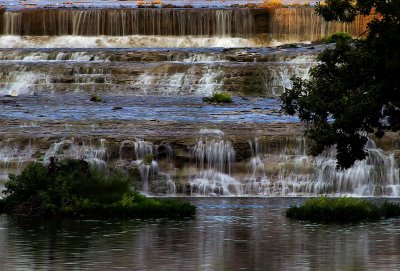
(226,234)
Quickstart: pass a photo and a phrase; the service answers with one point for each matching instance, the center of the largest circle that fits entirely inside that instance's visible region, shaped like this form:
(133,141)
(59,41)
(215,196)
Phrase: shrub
(271,3)
(72,188)
(337,37)
(219,98)
(95,98)
(341,210)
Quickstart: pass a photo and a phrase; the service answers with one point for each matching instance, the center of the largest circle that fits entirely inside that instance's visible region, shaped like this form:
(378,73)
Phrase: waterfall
(121,22)
(258,182)
(145,163)
(210,167)
(96,155)
(153,178)
(180,79)
(20,83)
(377,175)
(279,24)
(214,154)
(303,24)
(256,165)
(25,71)
(214,157)
(13,158)
(278,77)
(12,23)
(122,53)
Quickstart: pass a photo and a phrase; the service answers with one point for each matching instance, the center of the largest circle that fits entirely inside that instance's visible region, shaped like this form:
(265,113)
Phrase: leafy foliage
(342,210)
(72,188)
(219,98)
(337,37)
(355,88)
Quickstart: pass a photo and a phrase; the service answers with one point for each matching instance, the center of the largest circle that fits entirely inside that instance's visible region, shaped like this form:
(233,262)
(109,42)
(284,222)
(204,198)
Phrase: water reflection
(227,234)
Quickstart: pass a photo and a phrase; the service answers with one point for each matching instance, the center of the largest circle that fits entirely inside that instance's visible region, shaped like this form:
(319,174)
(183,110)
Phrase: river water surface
(226,234)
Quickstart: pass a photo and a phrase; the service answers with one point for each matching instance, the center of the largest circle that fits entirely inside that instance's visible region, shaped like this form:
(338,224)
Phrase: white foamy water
(13,158)
(94,154)
(297,174)
(20,83)
(122,42)
(212,183)
(278,77)
(291,173)
(210,168)
(200,81)
(39,56)
(214,158)
(201,58)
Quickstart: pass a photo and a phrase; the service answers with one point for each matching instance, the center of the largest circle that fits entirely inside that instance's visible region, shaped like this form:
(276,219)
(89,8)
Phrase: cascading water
(292,173)
(199,80)
(12,23)
(377,175)
(94,155)
(214,157)
(13,158)
(26,72)
(211,167)
(258,183)
(149,170)
(121,22)
(304,24)
(143,27)
(128,56)
(145,163)
(278,77)
(20,83)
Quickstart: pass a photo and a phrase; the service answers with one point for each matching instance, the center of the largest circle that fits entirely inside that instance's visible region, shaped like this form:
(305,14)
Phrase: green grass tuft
(341,210)
(219,98)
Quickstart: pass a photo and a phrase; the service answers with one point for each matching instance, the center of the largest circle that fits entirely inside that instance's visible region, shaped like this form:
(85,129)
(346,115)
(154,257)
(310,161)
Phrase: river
(226,234)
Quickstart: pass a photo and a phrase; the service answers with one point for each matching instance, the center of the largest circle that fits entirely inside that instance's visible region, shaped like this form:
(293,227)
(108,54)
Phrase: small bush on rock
(342,210)
(219,98)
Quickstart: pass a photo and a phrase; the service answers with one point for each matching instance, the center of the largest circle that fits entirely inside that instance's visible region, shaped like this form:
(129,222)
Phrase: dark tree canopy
(354,90)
